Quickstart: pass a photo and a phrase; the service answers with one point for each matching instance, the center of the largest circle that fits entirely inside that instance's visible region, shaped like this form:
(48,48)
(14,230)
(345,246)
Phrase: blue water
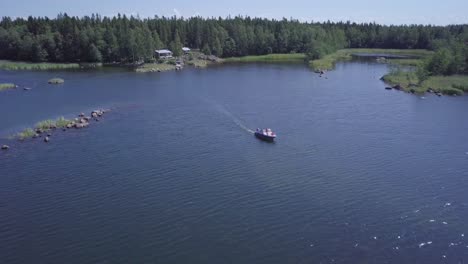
(173,173)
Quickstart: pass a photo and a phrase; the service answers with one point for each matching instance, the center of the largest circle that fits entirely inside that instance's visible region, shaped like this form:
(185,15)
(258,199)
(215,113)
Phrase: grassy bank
(405,62)
(17,65)
(290,57)
(6,86)
(155,67)
(451,85)
(328,62)
(44,126)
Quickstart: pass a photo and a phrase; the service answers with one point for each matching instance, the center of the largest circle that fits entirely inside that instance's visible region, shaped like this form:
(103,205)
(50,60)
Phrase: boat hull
(264,137)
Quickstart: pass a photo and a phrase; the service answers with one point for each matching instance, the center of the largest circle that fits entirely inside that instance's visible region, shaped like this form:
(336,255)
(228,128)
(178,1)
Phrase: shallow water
(173,175)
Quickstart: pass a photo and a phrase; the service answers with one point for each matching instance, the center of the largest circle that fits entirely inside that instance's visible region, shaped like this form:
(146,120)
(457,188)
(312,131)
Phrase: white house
(163,54)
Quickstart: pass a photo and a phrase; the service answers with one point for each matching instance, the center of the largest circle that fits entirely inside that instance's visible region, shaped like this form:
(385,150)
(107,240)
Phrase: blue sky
(385,12)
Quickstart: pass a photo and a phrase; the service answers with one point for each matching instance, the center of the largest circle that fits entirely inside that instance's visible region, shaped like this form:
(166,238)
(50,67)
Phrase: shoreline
(277,57)
(328,61)
(407,81)
(402,80)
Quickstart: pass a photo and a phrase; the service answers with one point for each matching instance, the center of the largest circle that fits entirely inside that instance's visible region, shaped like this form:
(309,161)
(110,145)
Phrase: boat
(265,134)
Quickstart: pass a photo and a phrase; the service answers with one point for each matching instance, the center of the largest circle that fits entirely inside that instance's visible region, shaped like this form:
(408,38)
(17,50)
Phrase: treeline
(128,39)
(451,57)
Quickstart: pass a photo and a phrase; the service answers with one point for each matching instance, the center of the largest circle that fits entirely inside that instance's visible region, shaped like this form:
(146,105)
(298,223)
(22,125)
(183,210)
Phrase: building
(163,54)
(185,50)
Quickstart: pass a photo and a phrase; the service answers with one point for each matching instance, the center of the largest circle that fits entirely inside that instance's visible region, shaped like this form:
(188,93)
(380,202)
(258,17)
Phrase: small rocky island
(45,128)
(56,81)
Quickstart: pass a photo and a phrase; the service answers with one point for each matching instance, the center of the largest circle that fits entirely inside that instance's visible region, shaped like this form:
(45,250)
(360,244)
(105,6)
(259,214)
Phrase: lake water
(174,175)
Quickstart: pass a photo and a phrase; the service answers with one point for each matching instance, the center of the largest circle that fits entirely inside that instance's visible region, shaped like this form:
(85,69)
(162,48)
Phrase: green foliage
(155,67)
(45,125)
(405,62)
(27,133)
(62,122)
(451,85)
(206,49)
(291,57)
(327,62)
(176,45)
(451,91)
(94,55)
(450,58)
(14,65)
(6,86)
(422,74)
(130,39)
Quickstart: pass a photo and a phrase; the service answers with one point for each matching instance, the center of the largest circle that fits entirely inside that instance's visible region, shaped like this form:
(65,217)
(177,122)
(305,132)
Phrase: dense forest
(128,39)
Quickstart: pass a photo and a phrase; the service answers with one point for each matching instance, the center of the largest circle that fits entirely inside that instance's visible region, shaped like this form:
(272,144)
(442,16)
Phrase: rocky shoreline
(45,129)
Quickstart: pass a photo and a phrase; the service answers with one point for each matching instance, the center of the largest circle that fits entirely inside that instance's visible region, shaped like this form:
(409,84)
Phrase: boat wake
(222,109)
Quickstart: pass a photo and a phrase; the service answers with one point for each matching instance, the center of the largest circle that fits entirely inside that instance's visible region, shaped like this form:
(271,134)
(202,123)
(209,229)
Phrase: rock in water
(46,139)
(398,87)
(5,147)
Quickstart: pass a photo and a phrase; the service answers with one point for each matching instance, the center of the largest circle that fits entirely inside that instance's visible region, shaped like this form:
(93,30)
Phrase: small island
(47,126)
(56,81)
(7,86)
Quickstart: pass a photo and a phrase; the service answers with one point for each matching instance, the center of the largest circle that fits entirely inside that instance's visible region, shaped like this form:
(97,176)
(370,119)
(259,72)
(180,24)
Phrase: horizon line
(174,16)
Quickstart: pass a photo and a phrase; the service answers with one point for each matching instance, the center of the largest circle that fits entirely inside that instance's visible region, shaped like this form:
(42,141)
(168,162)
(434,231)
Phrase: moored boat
(265,134)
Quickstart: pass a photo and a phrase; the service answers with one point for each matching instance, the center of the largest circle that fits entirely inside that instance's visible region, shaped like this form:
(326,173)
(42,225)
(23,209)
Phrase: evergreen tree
(94,54)
(176,45)
(206,49)
(127,39)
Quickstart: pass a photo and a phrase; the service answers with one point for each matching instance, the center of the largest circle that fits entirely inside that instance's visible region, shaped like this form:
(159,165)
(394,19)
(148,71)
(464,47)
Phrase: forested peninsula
(68,41)
(127,39)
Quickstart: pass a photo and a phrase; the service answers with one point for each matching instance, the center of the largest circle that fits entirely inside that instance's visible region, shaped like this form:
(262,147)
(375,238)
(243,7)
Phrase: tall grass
(6,86)
(328,61)
(451,85)
(405,62)
(287,57)
(152,67)
(44,125)
(18,65)
(27,133)
(62,122)
(402,52)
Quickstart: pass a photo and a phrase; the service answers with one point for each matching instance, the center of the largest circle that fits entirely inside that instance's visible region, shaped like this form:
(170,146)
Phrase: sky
(383,12)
